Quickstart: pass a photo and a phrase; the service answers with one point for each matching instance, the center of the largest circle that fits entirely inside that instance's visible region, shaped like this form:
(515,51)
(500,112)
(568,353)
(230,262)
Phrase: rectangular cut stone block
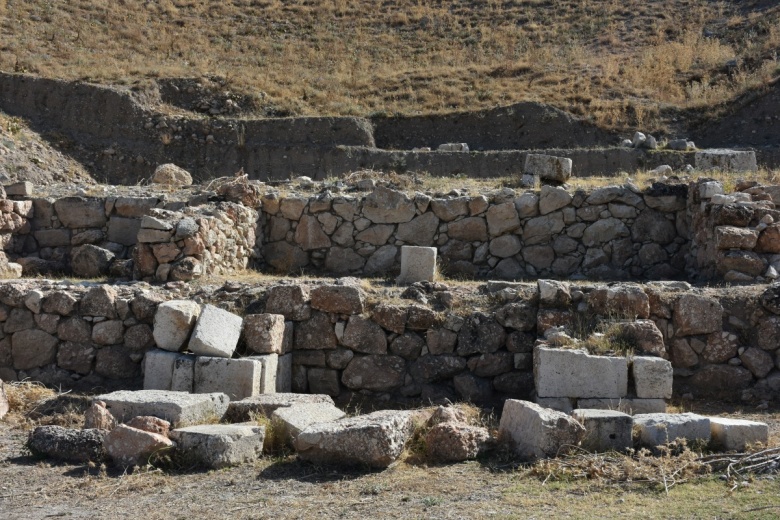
(656,429)
(158,369)
(183,379)
(266,404)
(264,333)
(653,377)
(284,374)
(548,167)
(726,160)
(124,230)
(629,405)
(178,408)
(216,332)
(418,264)
(292,420)
(270,364)
(562,404)
(238,378)
(736,434)
(607,430)
(220,445)
(575,373)
(536,432)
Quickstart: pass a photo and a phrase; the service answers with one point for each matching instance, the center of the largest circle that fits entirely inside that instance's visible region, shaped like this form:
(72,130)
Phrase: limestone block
(338,299)
(726,160)
(386,206)
(238,378)
(183,379)
(173,323)
(548,167)
(731,237)
(418,264)
(291,301)
(652,377)
(124,230)
(629,405)
(607,430)
(375,440)
(562,404)
(572,373)
(80,212)
(656,429)
(158,369)
(268,380)
(220,445)
(216,332)
(284,373)
(736,434)
(697,314)
(264,333)
(535,432)
(292,420)
(177,408)
(129,446)
(266,404)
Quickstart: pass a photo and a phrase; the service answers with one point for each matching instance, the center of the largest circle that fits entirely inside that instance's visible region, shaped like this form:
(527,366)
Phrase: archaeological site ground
(392,259)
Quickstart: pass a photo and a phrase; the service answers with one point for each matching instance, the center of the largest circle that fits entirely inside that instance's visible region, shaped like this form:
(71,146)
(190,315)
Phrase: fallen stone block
(220,445)
(455,441)
(216,333)
(375,440)
(652,377)
(238,378)
(656,429)
(607,430)
(68,444)
(629,405)
(178,408)
(128,446)
(150,424)
(548,167)
(726,160)
(266,404)
(173,322)
(736,434)
(570,373)
(535,432)
(292,420)
(418,264)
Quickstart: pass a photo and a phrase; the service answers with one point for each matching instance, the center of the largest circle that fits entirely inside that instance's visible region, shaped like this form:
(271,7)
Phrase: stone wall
(722,344)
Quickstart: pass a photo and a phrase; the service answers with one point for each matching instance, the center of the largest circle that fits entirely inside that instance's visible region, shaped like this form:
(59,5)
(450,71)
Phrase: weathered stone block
(238,378)
(129,446)
(363,335)
(569,373)
(158,369)
(220,445)
(292,420)
(178,408)
(535,432)
(183,379)
(607,430)
(418,264)
(697,314)
(652,377)
(216,332)
(726,160)
(656,429)
(629,405)
(264,333)
(72,445)
(337,299)
(291,301)
(173,323)
(79,212)
(266,404)
(548,167)
(124,230)
(737,434)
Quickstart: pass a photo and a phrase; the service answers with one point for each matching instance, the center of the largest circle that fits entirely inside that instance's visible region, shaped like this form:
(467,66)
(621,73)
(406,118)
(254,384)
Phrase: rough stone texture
(418,264)
(337,299)
(292,420)
(291,301)
(455,441)
(569,373)
(72,445)
(552,199)
(390,317)
(33,348)
(365,336)
(377,373)
(315,334)
(98,417)
(652,377)
(150,424)
(624,300)
(629,405)
(656,429)
(375,440)
(697,314)
(419,231)
(220,445)
(468,229)
(730,237)
(158,369)
(502,218)
(758,361)
(5,407)
(535,432)
(643,335)
(238,378)
(385,206)
(607,430)
(548,167)
(719,381)
(737,434)
(309,234)
(90,261)
(216,332)
(726,160)
(323,381)
(129,446)
(178,408)
(171,175)
(264,333)
(266,404)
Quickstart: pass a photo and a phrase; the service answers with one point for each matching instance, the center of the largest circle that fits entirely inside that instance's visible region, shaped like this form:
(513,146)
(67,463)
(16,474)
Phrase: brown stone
(150,424)
(721,346)
(285,257)
(99,301)
(441,341)
(419,231)
(362,335)
(291,301)
(337,299)
(109,332)
(719,381)
(697,314)
(683,356)
(644,335)
(769,240)
(730,237)
(144,261)
(420,318)
(139,337)
(77,357)
(455,442)
(264,333)
(549,318)
(469,229)
(385,206)
(129,446)
(98,417)
(450,209)
(490,365)
(59,302)
(33,348)
(165,253)
(502,218)
(114,362)
(746,262)
(309,234)
(758,361)
(623,301)
(315,333)
(408,345)
(390,317)
(376,235)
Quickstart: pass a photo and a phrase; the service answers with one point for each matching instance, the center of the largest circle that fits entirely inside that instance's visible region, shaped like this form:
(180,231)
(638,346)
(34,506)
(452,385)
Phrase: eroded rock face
(455,442)
(72,445)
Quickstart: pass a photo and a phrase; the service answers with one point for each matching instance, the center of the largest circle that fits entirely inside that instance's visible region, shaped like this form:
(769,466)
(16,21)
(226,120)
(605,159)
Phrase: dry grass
(32,404)
(620,63)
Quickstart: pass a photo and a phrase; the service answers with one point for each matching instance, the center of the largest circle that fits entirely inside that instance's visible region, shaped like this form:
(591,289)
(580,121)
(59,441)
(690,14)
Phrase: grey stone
(33,348)
(379,373)
(548,167)
(502,218)
(77,357)
(343,260)
(220,445)
(697,314)
(652,377)
(158,369)
(79,212)
(726,160)
(178,408)
(323,381)
(291,301)
(535,432)
(540,230)
(238,378)
(292,420)
(418,264)
(553,198)
(337,299)
(450,209)
(363,335)
(266,404)
(316,333)
(604,231)
(71,445)
(90,261)
(99,301)
(568,373)
(469,229)
(505,246)
(656,429)
(385,206)
(738,434)
(381,260)
(419,231)
(216,332)
(607,430)
(629,405)
(173,323)
(309,234)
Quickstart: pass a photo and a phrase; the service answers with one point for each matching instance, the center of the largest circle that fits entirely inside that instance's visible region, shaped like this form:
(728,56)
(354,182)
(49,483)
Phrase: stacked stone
(610,232)
(14,228)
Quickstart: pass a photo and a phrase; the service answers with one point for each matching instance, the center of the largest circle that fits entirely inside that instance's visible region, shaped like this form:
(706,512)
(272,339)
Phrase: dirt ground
(283,487)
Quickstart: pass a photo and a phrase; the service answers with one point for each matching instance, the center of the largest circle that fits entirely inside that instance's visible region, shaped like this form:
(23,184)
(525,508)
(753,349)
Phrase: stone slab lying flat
(629,405)
(606,430)
(178,408)
(267,404)
(736,434)
(216,332)
(238,378)
(535,432)
(656,429)
(653,377)
(374,440)
(220,445)
(570,373)
(292,420)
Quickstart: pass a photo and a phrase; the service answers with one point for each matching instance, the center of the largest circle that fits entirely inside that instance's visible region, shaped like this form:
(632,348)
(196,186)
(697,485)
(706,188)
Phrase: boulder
(150,424)
(337,299)
(285,257)
(129,446)
(643,335)
(33,348)
(365,336)
(178,408)
(455,441)
(697,314)
(731,237)
(502,218)
(98,417)
(469,229)
(623,300)
(450,209)
(548,167)
(171,175)
(420,230)
(81,212)
(68,444)
(309,234)
(552,199)
(220,445)
(375,440)
(534,432)
(216,332)
(90,261)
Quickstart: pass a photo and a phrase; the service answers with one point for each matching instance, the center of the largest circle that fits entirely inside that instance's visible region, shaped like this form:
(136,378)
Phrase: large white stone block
(629,405)
(216,333)
(726,160)
(178,408)
(238,378)
(575,373)
(220,445)
(292,420)
(736,434)
(607,430)
(270,364)
(158,369)
(548,167)
(656,429)
(418,264)
(535,432)
(653,377)
(173,322)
